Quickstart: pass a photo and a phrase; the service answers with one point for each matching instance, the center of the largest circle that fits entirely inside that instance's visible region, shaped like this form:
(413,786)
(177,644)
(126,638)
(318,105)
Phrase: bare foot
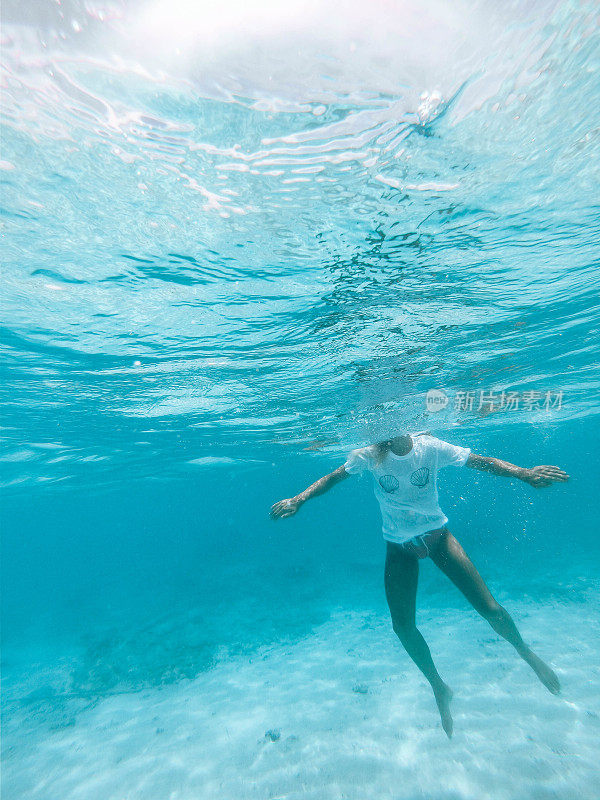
(547,675)
(443,695)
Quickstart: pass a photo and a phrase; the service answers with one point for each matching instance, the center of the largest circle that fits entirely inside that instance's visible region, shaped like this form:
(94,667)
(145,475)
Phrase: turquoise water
(239,242)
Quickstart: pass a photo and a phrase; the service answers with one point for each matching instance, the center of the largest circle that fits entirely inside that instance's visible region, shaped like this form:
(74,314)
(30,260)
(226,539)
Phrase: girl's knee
(492,612)
(404,629)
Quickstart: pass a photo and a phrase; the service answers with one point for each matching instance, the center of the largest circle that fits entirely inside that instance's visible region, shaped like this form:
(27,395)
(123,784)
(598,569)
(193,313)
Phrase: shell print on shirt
(420,477)
(389,483)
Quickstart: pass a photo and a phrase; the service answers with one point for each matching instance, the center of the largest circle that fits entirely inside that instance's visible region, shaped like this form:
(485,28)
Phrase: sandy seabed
(339,714)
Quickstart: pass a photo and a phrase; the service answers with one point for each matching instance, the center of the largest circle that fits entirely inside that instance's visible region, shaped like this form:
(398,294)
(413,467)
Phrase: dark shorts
(423,545)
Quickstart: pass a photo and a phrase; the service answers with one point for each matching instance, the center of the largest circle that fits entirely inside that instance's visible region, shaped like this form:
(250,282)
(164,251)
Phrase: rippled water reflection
(270,227)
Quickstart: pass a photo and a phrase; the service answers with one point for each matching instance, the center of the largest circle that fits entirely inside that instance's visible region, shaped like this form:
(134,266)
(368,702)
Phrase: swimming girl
(404,471)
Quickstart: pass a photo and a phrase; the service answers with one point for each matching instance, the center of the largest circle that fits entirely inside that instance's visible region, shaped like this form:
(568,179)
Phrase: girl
(404,471)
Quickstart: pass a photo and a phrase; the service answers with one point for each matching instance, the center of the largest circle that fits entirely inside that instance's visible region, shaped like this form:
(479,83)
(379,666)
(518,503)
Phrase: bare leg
(450,557)
(401,579)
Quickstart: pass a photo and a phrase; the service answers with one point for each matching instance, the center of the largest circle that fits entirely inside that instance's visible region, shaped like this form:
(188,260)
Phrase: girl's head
(403,441)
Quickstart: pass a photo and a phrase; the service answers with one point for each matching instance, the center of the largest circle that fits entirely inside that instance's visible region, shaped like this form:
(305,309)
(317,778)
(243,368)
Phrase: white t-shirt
(406,486)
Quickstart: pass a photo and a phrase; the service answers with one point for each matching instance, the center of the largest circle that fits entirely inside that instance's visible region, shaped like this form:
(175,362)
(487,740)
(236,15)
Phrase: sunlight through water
(239,240)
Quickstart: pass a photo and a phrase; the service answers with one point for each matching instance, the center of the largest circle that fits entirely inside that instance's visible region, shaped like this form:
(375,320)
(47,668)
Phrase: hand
(542,476)
(285,508)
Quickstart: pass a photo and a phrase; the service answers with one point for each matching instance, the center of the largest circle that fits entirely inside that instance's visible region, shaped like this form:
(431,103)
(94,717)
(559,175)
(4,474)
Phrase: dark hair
(382,449)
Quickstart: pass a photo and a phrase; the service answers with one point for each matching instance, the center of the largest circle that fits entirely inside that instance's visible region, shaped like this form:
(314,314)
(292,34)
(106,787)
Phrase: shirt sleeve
(358,461)
(450,455)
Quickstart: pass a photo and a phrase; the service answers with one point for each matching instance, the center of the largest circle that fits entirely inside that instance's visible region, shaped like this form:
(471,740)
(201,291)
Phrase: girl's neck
(401,445)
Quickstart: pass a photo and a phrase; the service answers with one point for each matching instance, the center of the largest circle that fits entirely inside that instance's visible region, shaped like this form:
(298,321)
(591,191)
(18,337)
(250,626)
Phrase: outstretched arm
(538,477)
(285,508)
